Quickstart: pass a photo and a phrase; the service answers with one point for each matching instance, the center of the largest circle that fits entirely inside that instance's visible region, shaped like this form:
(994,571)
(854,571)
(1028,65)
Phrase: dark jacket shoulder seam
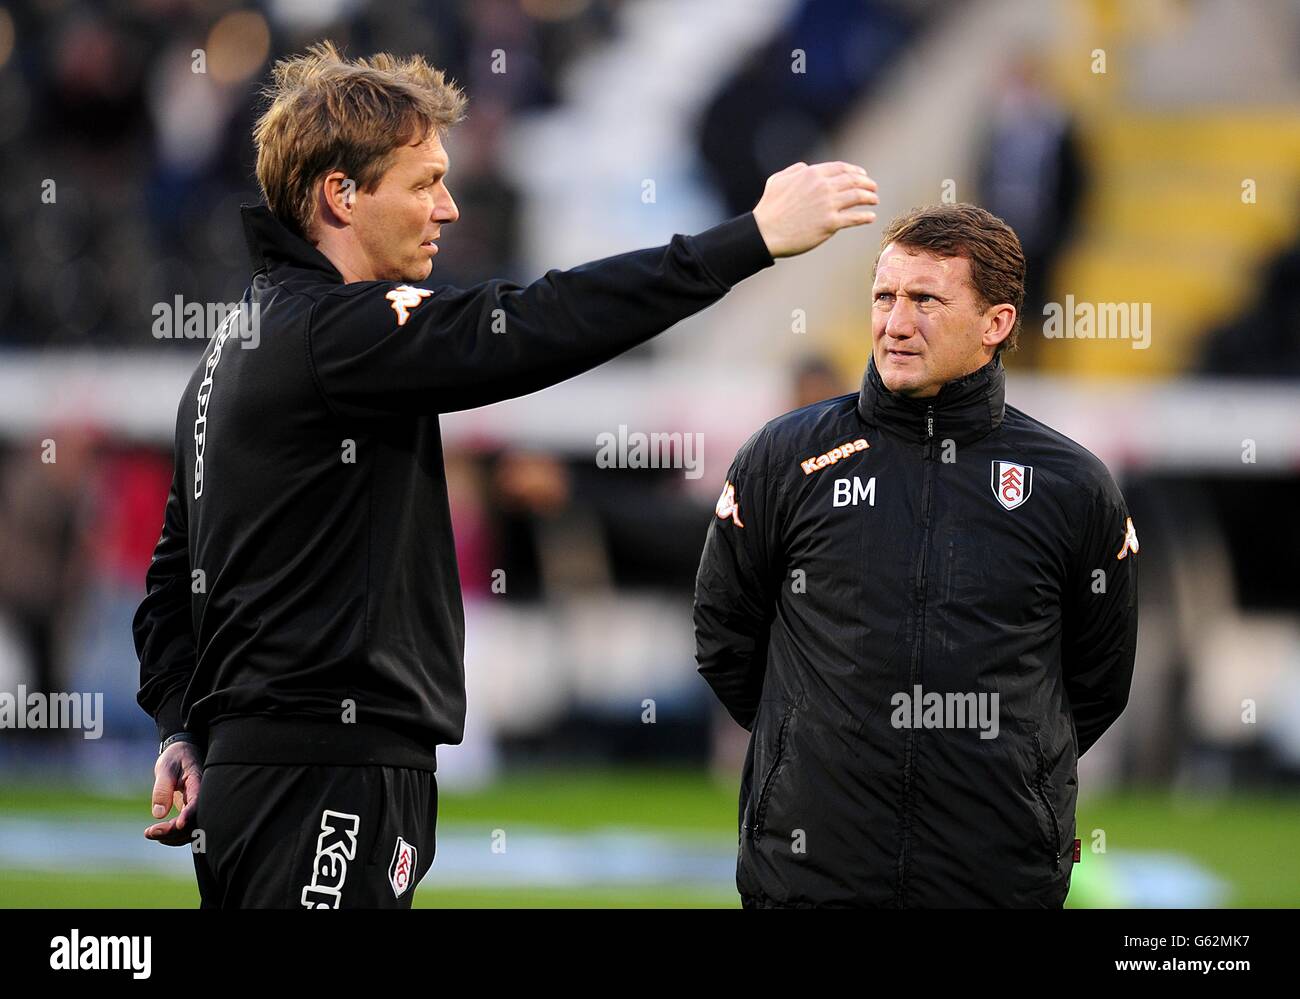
(311,360)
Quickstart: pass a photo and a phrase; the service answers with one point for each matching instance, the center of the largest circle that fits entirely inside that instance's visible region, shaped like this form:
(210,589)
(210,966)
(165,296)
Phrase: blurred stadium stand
(615,125)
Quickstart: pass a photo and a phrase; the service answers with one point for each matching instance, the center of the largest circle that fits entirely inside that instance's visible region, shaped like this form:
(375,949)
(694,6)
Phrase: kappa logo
(727,506)
(1012,483)
(402,867)
(335,847)
(405,298)
(816,464)
(205,394)
(1130,539)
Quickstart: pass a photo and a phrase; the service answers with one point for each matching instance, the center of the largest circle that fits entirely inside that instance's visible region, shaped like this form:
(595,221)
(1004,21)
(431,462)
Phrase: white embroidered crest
(1130,539)
(405,298)
(402,867)
(1012,483)
(727,507)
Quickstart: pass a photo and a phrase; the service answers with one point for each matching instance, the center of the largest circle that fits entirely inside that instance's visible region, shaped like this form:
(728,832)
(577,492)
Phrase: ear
(338,198)
(1001,320)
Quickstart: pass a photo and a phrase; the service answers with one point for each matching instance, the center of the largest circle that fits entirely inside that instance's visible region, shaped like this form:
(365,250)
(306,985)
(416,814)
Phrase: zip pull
(929,422)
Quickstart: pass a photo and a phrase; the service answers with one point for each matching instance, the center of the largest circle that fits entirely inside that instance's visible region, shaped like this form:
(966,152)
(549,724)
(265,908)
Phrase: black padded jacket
(925,612)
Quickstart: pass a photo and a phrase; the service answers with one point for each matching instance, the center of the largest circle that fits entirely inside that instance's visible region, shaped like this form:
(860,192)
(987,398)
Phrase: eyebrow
(911,292)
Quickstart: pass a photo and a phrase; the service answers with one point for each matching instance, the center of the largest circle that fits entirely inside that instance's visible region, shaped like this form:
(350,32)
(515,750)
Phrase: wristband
(178,737)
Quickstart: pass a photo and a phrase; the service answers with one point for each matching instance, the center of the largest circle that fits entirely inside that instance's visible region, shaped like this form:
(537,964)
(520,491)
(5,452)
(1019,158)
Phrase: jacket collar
(964,410)
(273,245)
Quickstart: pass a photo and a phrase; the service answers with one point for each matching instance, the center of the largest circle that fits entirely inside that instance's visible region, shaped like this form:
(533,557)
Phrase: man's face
(926,324)
(396,224)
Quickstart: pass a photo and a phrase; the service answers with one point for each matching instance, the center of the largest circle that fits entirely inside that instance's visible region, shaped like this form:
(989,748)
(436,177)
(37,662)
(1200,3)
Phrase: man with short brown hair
(301,642)
(922,604)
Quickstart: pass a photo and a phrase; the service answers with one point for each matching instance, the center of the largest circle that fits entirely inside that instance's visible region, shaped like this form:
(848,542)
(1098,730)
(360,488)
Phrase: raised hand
(803,206)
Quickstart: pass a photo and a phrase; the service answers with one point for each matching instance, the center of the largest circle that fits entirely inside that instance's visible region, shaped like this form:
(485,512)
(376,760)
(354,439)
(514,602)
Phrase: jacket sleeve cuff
(169,717)
(733,250)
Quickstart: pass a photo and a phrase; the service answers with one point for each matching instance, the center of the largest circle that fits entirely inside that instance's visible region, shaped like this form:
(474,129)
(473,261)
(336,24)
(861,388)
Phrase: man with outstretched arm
(301,640)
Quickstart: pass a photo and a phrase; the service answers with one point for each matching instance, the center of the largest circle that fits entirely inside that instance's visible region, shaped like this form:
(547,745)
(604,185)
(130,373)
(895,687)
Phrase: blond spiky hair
(330,113)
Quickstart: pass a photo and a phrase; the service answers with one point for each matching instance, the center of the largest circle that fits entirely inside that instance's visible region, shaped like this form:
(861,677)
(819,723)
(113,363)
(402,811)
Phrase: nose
(446,209)
(900,322)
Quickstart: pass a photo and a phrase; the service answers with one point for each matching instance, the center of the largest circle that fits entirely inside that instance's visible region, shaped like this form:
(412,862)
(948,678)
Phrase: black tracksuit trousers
(313,836)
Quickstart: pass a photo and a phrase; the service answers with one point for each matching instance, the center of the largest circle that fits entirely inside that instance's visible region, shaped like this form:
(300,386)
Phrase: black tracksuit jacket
(871,545)
(303,603)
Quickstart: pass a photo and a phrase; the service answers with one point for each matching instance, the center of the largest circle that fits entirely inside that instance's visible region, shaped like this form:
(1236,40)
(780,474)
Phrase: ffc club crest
(402,869)
(1012,483)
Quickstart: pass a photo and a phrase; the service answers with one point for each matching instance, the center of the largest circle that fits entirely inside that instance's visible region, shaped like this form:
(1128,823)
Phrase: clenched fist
(803,206)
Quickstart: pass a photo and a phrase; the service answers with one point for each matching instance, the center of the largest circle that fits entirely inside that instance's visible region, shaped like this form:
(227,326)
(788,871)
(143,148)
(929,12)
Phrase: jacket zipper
(914,676)
(1040,778)
(760,810)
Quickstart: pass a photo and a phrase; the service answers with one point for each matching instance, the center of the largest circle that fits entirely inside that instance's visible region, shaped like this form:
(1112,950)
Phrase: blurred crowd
(124,139)
(124,133)
(126,128)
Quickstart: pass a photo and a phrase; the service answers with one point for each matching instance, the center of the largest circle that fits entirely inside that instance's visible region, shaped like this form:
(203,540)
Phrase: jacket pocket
(1040,785)
(765,787)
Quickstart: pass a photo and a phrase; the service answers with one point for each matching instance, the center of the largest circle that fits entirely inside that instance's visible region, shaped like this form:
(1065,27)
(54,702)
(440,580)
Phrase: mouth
(430,245)
(898,355)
